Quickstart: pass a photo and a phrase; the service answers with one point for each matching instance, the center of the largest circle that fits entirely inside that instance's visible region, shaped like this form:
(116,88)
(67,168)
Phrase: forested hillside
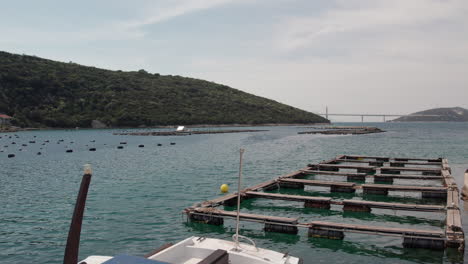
(39,92)
(453,114)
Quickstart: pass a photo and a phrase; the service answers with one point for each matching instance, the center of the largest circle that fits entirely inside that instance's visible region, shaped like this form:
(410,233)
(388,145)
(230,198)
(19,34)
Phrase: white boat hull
(194,249)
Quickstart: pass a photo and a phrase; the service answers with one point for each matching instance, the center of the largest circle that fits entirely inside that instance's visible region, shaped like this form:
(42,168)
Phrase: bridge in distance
(384,116)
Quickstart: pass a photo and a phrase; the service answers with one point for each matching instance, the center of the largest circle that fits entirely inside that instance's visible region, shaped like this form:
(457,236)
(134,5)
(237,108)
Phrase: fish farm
(186,133)
(369,175)
(342,130)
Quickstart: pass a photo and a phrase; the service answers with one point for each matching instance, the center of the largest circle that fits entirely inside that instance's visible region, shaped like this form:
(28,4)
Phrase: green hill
(448,114)
(40,92)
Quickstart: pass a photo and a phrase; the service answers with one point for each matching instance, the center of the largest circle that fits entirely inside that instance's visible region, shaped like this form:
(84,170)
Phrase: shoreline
(173,126)
(17,129)
(186,133)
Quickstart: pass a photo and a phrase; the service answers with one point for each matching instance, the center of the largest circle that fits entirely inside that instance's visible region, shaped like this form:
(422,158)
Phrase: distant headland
(449,114)
(38,92)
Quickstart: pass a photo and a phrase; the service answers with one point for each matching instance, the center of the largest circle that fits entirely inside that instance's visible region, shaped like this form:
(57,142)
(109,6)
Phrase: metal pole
(239,198)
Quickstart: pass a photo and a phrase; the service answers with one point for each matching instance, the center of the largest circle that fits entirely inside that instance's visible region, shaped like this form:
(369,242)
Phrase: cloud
(384,56)
(112,29)
(384,87)
(351,23)
(164,12)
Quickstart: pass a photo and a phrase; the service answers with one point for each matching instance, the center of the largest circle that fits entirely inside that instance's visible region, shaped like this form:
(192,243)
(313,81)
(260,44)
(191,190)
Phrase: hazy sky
(356,56)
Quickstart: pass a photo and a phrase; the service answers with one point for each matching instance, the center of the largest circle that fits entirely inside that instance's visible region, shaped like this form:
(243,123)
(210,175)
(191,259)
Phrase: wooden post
(465,187)
(73,241)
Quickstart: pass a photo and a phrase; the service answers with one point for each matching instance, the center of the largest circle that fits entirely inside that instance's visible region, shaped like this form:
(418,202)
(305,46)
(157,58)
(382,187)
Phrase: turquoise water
(137,194)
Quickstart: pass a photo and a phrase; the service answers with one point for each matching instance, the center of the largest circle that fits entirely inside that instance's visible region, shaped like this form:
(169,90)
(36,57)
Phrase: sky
(354,56)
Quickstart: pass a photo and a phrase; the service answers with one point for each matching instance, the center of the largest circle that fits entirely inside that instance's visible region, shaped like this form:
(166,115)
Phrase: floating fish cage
(380,173)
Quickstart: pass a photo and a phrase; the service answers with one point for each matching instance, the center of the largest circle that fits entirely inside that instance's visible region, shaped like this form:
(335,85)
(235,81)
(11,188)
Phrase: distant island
(452,114)
(38,92)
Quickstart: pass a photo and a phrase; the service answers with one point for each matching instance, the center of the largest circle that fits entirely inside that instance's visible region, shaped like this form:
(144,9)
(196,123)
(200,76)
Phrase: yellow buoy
(224,188)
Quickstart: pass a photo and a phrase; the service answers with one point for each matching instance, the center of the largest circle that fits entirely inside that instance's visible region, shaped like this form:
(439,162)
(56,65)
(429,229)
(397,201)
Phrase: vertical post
(362,119)
(465,187)
(239,198)
(73,240)
(326,112)
(384,119)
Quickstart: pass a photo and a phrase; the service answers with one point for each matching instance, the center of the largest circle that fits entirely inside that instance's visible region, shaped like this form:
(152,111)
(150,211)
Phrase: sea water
(137,195)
